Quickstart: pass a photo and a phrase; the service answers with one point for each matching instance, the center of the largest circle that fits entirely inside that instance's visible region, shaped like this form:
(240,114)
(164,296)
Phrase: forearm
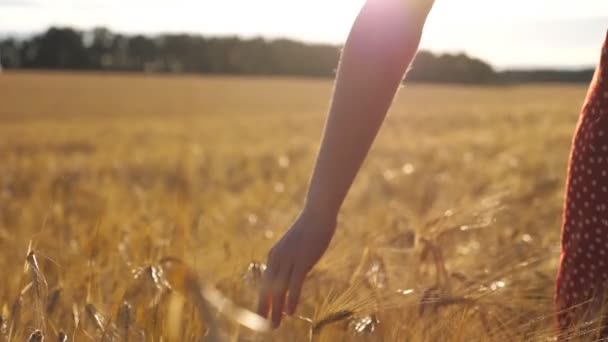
(380,47)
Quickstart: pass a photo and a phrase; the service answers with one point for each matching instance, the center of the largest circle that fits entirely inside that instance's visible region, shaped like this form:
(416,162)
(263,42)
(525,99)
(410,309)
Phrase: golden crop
(127,195)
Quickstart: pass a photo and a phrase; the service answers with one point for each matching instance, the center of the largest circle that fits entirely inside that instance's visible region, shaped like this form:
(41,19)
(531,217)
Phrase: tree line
(64,48)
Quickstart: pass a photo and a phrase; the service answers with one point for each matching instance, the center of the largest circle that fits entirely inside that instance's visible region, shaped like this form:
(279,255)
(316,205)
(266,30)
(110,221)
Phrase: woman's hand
(290,260)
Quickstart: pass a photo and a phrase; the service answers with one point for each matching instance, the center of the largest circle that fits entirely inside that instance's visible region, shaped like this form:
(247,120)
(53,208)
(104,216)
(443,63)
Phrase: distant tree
(183,53)
(547,75)
(142,52)
(9,54)
(102,49)
(449,68)
(59,48)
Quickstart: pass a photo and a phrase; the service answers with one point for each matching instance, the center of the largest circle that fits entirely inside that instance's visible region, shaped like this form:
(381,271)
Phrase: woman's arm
(380,47)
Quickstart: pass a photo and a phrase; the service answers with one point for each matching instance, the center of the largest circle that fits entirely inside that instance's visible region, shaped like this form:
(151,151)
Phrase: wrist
(321,211)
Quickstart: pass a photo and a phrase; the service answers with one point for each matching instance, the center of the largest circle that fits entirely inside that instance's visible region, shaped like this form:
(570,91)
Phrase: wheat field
(126,201)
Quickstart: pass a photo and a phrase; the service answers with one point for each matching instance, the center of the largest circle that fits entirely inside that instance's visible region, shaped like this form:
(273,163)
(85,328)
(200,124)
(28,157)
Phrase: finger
(264,302)
(266,288)
(278,296)
(295,287)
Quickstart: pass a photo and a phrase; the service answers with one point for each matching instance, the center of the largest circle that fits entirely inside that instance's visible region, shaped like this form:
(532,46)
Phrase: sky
(514,33)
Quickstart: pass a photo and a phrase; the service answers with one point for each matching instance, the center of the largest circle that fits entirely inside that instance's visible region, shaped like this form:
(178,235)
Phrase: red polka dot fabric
(582,280)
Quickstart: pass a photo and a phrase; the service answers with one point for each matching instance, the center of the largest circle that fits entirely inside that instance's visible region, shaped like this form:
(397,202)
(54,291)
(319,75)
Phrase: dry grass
(141,207)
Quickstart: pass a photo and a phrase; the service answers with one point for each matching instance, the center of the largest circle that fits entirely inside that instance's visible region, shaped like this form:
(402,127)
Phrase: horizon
(548,34)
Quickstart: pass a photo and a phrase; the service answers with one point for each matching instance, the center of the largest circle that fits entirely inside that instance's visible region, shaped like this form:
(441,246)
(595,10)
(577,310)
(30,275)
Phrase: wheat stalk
(36,336)
(182,278)
(331,318)
(62,337)
(15,316)
(40,288)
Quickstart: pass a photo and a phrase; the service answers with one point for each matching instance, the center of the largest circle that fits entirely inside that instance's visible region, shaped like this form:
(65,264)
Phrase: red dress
(582,278)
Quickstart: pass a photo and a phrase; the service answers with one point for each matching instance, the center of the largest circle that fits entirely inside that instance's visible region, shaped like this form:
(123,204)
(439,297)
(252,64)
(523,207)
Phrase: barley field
(141,208)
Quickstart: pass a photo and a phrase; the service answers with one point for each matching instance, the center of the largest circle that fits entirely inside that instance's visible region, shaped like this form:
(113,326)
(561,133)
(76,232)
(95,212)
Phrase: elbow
(387,33)
(414,12)
(392,22)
